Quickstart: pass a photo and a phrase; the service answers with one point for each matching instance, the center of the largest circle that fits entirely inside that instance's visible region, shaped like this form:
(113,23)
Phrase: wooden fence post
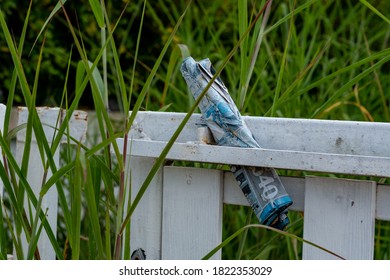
(192,212)
(145,222)
(340,216)
(49,119)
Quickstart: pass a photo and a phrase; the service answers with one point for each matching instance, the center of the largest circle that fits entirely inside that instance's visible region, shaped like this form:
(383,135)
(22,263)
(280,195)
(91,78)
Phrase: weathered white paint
(357,148)
(304,135)
(340,216)
(280,159)
(50,118)
(339,213)
(146,219)
(192,212)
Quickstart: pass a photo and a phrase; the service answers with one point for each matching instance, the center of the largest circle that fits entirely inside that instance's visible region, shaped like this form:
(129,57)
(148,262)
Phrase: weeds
(306,59)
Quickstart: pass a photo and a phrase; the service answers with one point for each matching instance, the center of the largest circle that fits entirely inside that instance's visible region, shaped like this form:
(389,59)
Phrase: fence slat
(146,219)
(340,216)
(192,212)
(50,119)
(36,173)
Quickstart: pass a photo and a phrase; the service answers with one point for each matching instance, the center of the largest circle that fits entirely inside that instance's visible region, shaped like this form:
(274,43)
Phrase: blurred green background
(326,36)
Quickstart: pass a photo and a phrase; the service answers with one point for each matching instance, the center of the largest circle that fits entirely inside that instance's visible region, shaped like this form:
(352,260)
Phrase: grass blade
(12,88)
(175,135)
(253,55)
(372,8)
(56,8)
(77,182)
(93,212)
(3,247)
(30,194)
(35,233)
(284,233)
(349,84)
(97,12)
(380,55)
(149,80)
(281,71)
(291,14)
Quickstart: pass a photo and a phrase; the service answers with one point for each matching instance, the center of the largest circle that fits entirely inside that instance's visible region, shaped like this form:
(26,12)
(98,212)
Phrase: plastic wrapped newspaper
(261,186)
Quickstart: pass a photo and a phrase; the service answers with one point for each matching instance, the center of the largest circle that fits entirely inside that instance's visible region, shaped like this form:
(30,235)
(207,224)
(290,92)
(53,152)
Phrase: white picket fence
(50,118)
(180,215)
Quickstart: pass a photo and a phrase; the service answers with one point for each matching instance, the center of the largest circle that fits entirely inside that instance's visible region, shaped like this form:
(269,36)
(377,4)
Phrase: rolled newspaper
(261,186)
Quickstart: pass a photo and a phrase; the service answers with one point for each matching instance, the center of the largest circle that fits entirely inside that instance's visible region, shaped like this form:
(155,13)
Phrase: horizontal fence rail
(281,159)
(358,148)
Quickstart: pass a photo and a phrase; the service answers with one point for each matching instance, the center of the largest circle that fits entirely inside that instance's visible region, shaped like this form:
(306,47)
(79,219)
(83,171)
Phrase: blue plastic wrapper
(261,186)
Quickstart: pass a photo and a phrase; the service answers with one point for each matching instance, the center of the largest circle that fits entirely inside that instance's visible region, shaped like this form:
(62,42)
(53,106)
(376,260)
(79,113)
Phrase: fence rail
(180,216)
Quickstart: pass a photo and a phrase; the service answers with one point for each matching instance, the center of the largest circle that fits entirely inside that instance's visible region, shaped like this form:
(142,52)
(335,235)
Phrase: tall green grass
(306,59)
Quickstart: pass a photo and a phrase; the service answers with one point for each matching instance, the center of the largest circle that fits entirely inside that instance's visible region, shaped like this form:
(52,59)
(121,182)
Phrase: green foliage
(306,59)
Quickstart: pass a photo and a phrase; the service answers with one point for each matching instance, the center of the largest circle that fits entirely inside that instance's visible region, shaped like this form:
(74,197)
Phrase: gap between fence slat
(383,202)
(296,188)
